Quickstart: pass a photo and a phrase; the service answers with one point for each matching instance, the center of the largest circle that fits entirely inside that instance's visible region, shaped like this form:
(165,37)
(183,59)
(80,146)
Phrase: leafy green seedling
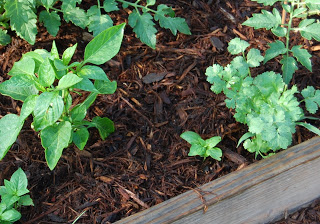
(21,17)
(203,148)
(44,82)
(264,103)
(308,28)
(14,194)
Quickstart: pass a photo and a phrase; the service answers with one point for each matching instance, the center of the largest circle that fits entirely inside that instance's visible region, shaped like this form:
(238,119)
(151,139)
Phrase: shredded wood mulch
(161,93)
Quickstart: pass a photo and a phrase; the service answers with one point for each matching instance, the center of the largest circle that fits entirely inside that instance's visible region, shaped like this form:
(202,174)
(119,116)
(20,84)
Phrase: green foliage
(20,16)
(13,196)
(203,148)
(44,81)
(264,103)
(308,28)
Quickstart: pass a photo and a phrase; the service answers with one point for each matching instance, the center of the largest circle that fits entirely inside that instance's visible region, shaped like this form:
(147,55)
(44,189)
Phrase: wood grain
(260,193)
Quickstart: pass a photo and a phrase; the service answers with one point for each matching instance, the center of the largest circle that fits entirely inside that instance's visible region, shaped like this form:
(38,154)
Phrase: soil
(161,93)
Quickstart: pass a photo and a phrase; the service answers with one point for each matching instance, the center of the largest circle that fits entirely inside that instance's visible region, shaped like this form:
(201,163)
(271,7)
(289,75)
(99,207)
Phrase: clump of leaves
(308,28)
(14,194)
(264,103)
(20,16)
(43,82)
(203,148)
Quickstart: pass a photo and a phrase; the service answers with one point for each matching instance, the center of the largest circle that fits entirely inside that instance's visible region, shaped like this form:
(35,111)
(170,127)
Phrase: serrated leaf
(104,125)
(105,87)
(22,19)
(110,5)
(77,16)
(143,27)
(98,22)
(4,37)
(276,48)
(312,99)
(80,138)
(267,2)
(303,56)
(25,66)
(254,58)
(269,83)
(265,19)
(191,137)
(68,53)
(51,21)
(92,72)
(104,46)
(309,29)
(237,46)
(279,31)
(19,87)
(48,3)
(48,109)
(10,126)
(28,107)
(67,81)
(54,139)
(46,74)
(19,179)
(289,66)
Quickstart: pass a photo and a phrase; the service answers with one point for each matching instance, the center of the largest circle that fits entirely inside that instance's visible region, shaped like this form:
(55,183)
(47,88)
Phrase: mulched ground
(161,93)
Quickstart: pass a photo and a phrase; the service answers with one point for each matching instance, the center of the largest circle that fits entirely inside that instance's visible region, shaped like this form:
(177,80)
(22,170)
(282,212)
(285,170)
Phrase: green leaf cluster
(44,81)
(203,148)
(264,103)
(14,194)
(308,28)
(21,17)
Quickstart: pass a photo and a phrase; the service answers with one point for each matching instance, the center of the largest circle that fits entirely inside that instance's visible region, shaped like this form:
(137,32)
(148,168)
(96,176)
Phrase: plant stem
(289,27)
(137,6)
(98,1)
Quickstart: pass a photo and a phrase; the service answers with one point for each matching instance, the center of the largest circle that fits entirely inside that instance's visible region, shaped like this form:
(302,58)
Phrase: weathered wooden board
(259,193)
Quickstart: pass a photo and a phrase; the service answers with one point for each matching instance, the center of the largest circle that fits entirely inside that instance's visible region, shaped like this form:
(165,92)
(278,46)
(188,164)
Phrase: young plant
(20,16)
(13,196)
(308,28)
(264,103)
(44,82)
(203,148)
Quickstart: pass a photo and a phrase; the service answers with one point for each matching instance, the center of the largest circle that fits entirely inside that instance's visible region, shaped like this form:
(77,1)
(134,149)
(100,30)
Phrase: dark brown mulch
(161,93)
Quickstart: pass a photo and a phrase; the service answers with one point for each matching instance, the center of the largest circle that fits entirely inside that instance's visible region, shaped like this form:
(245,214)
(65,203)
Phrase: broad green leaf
(298,12)
(265,19)
(10,216)
(279,31)
(77,16)
(93,72)
(89,100)
(104,46)
(37,58)
(68,53)
(267,2)
(254,58)
(19,179)
(25,66)
(86,85)
(309,127)
(105,87)
(303,56)
(48,109)
(289,66)
(269,83)
(54,139)
(276,48)
(143,27)
(51,21)
(10,126)
(309,29)
(78,113)
(151,2)
(237,46)
(46,73)
(22,19)
(197,150)
(286,7)
(28,107)
(59,65)
(54,51)
(48,3)
(173,23)
(312,99)
(4,37)
(80,138)
(191,137)
(215,153)
(313,4)
(104,125)
(110,5)
(19,87)
(212,142)
(25,201)
(67,81)
(98,22)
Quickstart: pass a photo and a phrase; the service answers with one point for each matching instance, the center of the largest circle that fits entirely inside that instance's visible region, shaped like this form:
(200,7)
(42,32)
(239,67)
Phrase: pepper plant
(264,103)
(21,16)
(308,28)
(14,194)
(44,81)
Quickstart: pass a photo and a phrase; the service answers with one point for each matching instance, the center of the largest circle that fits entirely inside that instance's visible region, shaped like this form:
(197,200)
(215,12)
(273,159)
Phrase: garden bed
(145,161)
